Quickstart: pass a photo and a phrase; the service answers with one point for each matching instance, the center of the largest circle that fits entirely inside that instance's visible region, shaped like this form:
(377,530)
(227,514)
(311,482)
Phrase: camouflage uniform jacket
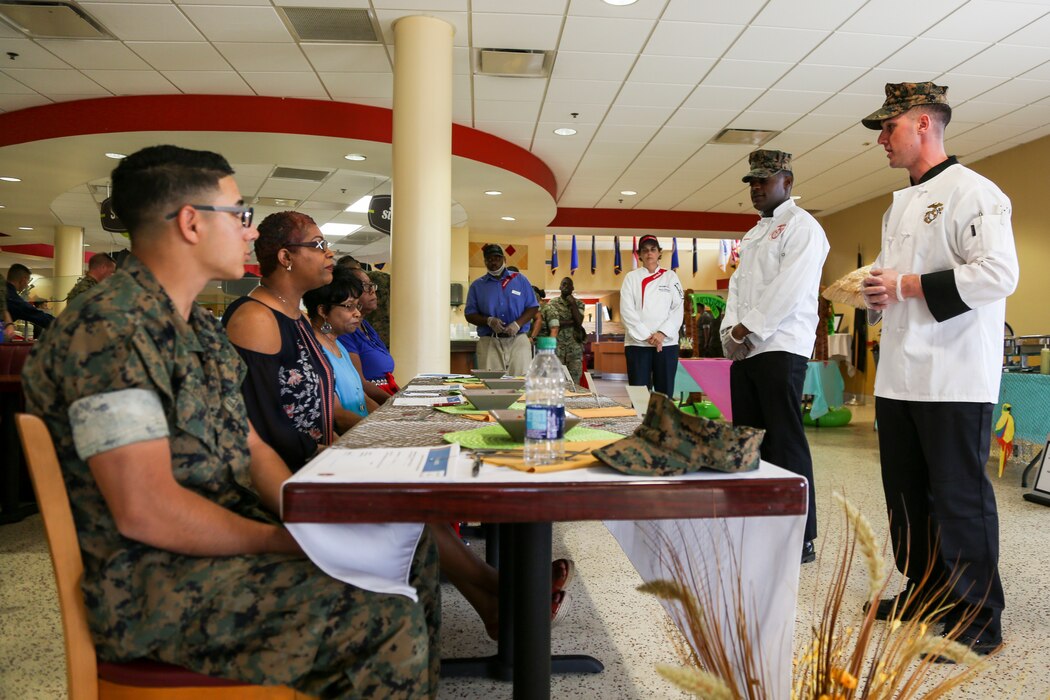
(83,284)
(558,308)
(380,318)
(263,618)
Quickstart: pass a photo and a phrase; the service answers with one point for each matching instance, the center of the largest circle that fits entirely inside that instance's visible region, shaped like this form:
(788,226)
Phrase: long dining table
(743,531)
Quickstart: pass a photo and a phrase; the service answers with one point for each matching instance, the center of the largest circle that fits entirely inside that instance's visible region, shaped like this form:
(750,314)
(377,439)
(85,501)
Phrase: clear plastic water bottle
(545,406)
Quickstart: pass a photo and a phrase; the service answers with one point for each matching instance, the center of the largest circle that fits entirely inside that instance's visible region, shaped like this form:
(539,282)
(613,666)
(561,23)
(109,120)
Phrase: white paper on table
(443,390)
(373,556)
(429,400)
(439,375)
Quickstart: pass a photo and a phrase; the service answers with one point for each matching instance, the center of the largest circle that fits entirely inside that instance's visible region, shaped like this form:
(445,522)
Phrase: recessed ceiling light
(116,156)
(493,193)
(628,193)
(619,2)
(565,131)
(508,218)
(1,206)
(796,196)
(87,245)
(361,205)
(333,229)
(25,228)
(355,156)
(10,179)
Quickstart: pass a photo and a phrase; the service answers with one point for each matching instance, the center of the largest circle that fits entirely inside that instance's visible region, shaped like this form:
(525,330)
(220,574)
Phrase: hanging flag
(574,260)
(617,265)
(723,254)
(634,252)
(674,253)
(696,262)
(554,254)
(594,257)
(734,254)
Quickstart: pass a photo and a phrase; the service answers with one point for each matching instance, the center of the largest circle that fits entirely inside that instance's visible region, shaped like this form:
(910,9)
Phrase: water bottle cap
(546,342)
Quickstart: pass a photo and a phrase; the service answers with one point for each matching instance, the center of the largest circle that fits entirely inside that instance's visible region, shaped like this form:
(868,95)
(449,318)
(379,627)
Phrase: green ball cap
(545,342)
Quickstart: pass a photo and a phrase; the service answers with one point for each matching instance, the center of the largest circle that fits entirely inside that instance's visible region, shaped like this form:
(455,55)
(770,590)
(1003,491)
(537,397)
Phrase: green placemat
(467,409)
(494,437)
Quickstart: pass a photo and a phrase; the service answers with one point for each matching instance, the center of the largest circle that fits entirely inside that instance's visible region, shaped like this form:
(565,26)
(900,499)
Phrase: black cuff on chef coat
(942,295)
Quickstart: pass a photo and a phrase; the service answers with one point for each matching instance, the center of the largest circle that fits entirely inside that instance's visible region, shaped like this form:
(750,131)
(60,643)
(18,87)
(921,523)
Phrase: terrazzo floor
(627,630)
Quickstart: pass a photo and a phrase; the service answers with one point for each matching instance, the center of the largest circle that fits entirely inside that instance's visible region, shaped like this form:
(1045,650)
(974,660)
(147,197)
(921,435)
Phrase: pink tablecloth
(712,374)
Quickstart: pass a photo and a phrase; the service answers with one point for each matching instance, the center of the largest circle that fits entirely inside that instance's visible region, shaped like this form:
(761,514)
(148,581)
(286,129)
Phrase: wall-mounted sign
(379,213)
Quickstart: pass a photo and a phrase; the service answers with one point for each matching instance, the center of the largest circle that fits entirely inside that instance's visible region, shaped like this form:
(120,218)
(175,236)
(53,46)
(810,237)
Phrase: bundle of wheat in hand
(846,290)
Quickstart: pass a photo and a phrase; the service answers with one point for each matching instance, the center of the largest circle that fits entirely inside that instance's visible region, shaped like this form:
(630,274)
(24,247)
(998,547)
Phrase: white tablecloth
(840,345)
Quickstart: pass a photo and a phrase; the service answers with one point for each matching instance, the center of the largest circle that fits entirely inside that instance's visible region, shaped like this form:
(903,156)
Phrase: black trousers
(656,370)
(933,472)
(766,390)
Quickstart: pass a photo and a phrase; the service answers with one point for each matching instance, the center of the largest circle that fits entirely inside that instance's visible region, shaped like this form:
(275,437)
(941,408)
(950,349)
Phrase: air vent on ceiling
(745,137)
(514,63)
(283,202)
(41,19)
(361,238)
(336,24)
(286,173)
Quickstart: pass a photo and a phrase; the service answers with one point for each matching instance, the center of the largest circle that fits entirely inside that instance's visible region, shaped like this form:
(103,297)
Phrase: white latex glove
(495,324)
(735,350)
(512,328)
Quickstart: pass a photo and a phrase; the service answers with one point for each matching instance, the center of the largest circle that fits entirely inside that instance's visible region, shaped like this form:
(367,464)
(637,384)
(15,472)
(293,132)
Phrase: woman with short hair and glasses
(289,387)
(334,309)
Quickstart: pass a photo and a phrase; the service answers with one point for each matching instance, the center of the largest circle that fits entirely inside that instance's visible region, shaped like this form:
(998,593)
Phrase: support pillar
(69,263)
(422,196)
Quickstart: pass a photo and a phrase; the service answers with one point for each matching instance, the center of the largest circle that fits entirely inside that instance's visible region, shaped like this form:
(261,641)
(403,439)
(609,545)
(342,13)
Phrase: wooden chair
(87,678)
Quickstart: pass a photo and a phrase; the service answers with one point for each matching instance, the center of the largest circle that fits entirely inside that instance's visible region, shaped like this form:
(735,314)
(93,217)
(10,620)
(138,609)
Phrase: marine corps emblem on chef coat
(932,212)
(777,231)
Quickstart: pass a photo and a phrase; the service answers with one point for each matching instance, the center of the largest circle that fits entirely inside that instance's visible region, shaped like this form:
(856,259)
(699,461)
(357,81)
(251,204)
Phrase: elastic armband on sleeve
(107,421)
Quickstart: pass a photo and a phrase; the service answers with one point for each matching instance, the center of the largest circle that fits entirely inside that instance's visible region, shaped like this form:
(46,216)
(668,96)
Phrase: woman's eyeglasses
(322,245)
(353,306)
(243,213)
(369,287)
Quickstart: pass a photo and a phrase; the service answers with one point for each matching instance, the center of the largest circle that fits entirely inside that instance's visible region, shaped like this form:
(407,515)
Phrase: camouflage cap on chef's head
(900,97)
(767,164)
(669,443)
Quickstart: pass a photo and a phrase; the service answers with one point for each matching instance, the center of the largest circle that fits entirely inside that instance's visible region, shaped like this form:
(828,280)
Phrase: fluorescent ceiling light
(116,156)
(628,193)
(493,193)
(332,229)
(565,131)
(619,3)
(361,205)
(796,196)
(355,156)
(508,218)
(25,228)
(10,179)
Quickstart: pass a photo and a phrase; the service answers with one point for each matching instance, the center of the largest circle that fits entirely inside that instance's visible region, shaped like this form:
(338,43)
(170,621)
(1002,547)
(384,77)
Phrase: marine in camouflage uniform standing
(564,316)
(173,493)
(100,267)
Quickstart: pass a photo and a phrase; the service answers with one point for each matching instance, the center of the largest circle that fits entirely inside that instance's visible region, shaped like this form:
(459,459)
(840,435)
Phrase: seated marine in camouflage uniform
(100,267)
(173,493)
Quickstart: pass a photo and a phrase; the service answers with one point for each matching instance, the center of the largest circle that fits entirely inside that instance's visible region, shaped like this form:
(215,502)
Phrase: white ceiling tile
(674,137)
(12,103)
(692,39)
(93,54)
(1021,92)
(795,143)
(981,111)
(720,97)
(287,189)
(308,3)
(874,81)
(286,84)
(29,55)
(131,82)
(652,94)
(200,82)
(765,121)
(827,124)
(638,116)
(458,20)
(1005,60)
(849,105)
(794,101)
(605,35)
(752,74)
(251,24)
(851,49)
(507,130)
(985,20)
(1041,72)
(775,43)
(737,12)
(592,91)
(424,5)
(486,110)
(900,16)
(643,9)
(132,22)
(1029,117)
(716,118)
(57,82)
(806,76)
(1035,34)
(506,31)
(966,87)
(592,66)
(539,7)
(561,112)
(488,87)
(670,69)
(180,56)
(347,58)
(10,86)
(264,57)
(350,85)
(462,111)
(812,14)
(461,87)
(621,133)
(933,55)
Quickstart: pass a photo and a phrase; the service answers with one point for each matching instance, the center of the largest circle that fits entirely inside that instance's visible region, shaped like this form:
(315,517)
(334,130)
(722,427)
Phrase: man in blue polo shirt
(502,304)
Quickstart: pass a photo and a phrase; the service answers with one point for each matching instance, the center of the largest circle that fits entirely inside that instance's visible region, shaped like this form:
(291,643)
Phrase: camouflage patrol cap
(900,97)
(669,443)
(767,164)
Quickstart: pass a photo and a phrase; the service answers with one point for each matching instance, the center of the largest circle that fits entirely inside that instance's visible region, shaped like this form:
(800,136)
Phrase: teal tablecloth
(824,383)
(1029,396)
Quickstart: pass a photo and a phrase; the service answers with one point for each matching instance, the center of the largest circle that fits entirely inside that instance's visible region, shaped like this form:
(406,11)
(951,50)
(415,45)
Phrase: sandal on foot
(563,571)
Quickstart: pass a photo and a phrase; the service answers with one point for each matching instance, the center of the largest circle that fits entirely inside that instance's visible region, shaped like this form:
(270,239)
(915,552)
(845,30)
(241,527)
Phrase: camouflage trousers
(278,620)
(571,354)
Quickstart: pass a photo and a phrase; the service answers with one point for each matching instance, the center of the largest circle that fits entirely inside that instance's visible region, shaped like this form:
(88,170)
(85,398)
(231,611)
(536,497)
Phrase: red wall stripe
(654,219)
(39,250)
